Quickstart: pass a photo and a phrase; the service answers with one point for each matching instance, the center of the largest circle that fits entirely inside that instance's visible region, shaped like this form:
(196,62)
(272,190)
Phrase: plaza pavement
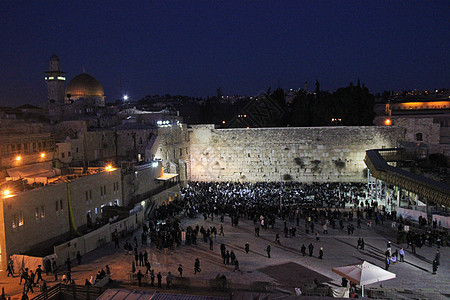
(286,268)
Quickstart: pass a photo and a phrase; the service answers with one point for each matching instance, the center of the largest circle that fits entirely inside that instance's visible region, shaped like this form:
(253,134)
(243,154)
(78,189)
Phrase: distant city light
(18,158)
(109,168)
(42,155)
(125,97)
(6,193)
(223,122)
(387,122)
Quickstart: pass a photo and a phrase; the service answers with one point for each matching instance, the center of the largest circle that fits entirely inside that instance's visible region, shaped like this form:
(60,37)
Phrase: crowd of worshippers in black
(250,200)
(226,196)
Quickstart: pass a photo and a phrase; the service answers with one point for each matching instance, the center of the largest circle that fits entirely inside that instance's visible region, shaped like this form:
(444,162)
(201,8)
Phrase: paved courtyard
(286,268)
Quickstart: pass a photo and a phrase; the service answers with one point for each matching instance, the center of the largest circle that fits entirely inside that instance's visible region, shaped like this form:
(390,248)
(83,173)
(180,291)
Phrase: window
(21,219)
(37,213)
(14,221)
(101,191)
(60,204)
(76,150)
(63,155)
(419,137)
(96,211)
(69,154)
(181,151)
(90,194)
(42,211)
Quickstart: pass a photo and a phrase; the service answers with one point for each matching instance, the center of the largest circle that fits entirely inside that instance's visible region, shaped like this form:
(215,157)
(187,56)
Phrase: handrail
(78,291)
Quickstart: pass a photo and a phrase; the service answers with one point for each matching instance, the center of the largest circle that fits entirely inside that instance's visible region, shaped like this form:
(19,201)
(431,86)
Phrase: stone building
(35,216)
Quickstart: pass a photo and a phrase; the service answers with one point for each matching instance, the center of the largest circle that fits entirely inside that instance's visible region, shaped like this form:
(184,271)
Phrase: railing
(166,185)
(433,190)
(72,291)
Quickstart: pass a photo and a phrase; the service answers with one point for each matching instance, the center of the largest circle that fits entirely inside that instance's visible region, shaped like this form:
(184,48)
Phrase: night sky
(193,47)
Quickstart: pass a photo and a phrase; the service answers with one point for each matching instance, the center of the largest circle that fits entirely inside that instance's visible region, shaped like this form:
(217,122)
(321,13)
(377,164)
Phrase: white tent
(363,274)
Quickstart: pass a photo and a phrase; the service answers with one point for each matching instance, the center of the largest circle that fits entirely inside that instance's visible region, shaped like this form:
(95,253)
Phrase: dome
(84,86)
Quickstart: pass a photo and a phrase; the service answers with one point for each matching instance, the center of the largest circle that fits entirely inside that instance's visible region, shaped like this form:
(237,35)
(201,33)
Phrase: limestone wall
(316,154)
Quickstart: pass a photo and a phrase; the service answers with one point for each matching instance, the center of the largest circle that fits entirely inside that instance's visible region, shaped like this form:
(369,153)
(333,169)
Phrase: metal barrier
(71,291)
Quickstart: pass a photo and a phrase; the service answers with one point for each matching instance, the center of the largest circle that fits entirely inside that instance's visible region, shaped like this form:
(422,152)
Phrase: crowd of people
(320,207)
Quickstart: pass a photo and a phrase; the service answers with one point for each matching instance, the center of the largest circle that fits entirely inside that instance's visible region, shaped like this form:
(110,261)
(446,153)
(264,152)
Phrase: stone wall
(316,154)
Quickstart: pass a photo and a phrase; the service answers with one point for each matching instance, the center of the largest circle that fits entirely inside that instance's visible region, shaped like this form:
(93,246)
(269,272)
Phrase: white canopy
(364,273)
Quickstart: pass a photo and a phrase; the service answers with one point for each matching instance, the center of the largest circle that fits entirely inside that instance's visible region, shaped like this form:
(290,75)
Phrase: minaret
(55,81)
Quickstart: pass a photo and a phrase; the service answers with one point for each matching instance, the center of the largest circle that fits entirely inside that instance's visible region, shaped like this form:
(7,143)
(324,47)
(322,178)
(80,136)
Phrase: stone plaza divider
(97,238)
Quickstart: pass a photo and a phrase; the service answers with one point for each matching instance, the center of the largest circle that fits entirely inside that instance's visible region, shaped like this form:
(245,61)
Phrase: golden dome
(83,86)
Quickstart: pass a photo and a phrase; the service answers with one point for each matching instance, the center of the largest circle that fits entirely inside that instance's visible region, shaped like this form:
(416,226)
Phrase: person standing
(247,247)
(268,250)
(236,265)
(169,278)
(139,277)
(141,259)
(210,244)
(180,270)
(152,278)
(387,262)
(221,230)
(437,257)
(321,253)
(311,249)
(402,255)
(197,266)
(68,264)
(232,257)
(79,257)
(362,244)
(303,249)
(435,266)
(159,278)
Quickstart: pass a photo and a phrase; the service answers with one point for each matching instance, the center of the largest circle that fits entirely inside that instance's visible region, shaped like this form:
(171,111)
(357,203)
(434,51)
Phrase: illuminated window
(14,221)
(42,212)
(37,213)
(20,219)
